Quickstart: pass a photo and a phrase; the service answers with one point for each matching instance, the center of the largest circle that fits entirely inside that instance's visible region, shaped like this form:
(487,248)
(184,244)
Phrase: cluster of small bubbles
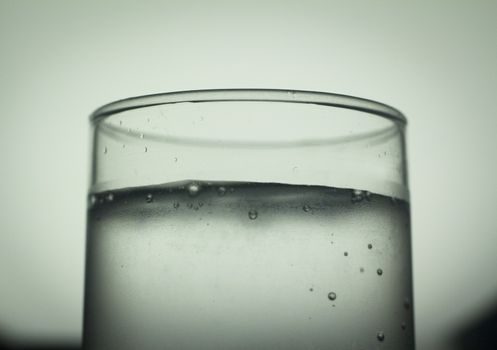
(150,198)
(346,254)
(403,326)
(221,191)
(357,196)
(370,246)
(176,205)
(306,208)
(252,214)
(109,197)
(193,188)
(380,336)
(105,150)
(379,272)
(332,295)
(407,305)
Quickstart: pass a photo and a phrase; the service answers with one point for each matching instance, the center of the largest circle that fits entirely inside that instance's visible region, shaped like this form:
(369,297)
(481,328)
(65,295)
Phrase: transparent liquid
(247,266)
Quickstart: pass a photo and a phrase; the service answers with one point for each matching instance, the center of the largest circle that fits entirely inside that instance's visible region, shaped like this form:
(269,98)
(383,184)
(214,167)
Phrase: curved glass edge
(269,95)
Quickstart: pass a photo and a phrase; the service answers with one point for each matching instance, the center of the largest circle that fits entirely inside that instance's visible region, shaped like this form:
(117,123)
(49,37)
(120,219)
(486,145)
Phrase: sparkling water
(200,265)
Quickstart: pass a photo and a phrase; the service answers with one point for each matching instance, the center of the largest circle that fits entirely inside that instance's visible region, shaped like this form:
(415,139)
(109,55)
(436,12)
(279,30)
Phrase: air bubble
(176,205)
(145,149)
(200,204)
(361,269)
(306,208)
(124,145)
(367,195)
(105,150)
(93,199)
(407,304)
(403,326)
(150,198)
(370,246)
(221,191)
(109,197)
(346,254)
(175,159)
(332,295)
(253,214)
(311,289)
(380,336)
(120,122)
(142,136)
(190,205)
(379,272)
(357,196)
(193,189)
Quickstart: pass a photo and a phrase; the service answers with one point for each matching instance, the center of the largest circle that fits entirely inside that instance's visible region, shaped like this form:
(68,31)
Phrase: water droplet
(403,326)
(150,198)
(145,149)
(105,150)
(346,254)
(142,136)
(253,214)
(357,196)
(311,289)
(379,272)
(380,336)
(176,205)
(306,208)
(370,246)
(109,197)
(361,269)
(407,304)
(221,191)
(193,188)
(332,295)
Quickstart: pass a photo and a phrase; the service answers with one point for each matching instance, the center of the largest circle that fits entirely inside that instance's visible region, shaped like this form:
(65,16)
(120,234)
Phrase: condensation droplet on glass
(221,191)
(332,295)
(253,214)
(150,198)
(306,208)
(379,272)
(380,336)
(176,205)
(109,197)
(193,188)
(370,246)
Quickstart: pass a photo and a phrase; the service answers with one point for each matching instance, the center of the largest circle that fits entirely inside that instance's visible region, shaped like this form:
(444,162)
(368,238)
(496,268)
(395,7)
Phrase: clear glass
(248,219)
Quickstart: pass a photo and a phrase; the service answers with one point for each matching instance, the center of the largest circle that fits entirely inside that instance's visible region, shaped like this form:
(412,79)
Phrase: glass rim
(251,95)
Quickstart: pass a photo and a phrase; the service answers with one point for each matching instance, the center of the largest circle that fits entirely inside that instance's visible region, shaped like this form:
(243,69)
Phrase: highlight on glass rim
(248,219)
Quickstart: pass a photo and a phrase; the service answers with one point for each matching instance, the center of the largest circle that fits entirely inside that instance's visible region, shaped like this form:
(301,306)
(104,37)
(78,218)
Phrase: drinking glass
(248,219)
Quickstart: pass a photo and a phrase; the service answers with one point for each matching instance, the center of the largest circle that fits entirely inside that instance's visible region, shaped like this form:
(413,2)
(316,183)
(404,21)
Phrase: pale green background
(434,60)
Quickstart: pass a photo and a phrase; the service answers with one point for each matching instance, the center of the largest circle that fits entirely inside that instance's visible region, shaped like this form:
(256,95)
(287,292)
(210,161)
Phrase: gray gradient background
(434,60)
